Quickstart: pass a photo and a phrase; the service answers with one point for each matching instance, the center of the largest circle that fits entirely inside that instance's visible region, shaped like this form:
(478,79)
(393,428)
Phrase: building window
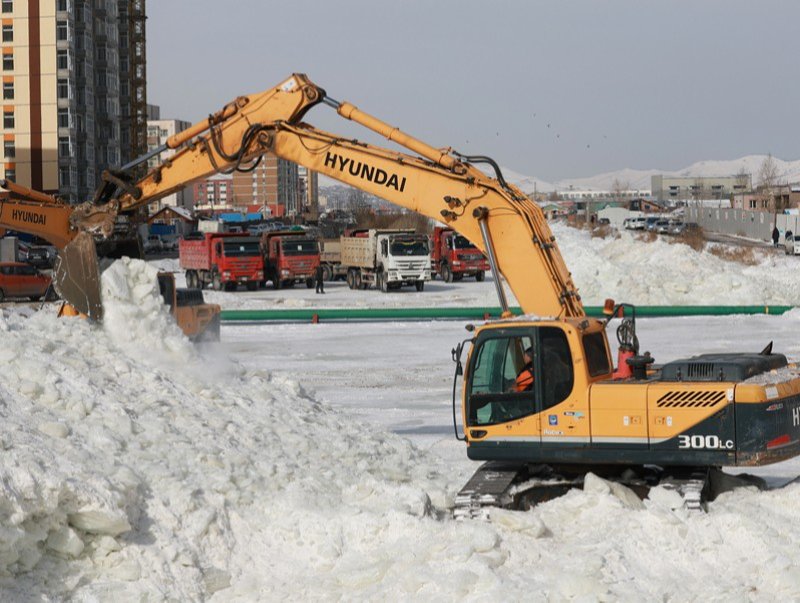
(62,59)
(63,89)
(8,33)
(8,121)
(8,6)
(63,176)
(61,5)
(11,174)
(63,147)
(63,118)
(9,149)
(8,90)
(8,62)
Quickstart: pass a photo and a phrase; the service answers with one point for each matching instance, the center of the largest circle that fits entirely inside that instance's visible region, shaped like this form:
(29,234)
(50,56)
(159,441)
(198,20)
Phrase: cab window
(494,368)
(594,347)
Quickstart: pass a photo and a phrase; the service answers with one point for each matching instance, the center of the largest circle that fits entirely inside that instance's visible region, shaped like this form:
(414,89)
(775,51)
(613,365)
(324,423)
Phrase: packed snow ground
(661,272)
(139,467)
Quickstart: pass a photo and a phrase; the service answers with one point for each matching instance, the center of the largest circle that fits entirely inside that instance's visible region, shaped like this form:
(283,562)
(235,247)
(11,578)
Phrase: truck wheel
(420,285)
(309,283)
(447,275)
(351,281)
(327,273)
(2,295)
(190,284)
(357,284)
(479,275)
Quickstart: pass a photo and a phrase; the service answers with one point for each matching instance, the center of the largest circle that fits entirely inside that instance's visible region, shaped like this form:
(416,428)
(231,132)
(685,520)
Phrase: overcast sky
(552,89)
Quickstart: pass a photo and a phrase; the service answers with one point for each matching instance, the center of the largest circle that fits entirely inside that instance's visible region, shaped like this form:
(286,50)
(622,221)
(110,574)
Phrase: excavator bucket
(77,276)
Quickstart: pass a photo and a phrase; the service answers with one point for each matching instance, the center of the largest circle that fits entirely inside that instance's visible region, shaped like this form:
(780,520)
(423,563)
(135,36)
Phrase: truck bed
(359,252)
(194,254)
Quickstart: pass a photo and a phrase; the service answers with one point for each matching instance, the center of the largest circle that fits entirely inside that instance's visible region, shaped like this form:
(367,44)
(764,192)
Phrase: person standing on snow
(318,277)
(775,236)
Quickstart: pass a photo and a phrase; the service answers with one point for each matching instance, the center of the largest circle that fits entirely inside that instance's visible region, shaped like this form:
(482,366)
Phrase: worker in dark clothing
(319,278)
(776,235)
(524,380)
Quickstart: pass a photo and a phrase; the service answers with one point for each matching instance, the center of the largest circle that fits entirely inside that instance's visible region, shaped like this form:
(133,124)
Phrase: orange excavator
(674,425)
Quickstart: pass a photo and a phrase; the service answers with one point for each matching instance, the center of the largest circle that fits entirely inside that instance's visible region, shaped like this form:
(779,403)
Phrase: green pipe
(309,314)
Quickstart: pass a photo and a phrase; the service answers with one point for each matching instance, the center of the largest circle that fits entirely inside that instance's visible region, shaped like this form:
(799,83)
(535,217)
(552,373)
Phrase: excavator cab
(500,420)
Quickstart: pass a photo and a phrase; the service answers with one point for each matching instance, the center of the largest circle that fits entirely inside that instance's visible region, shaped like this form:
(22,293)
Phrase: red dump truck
(223,260)
(454,257)
(290,256)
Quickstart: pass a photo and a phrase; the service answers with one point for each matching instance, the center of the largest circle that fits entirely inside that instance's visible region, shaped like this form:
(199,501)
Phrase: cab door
(564,414)
(493,398)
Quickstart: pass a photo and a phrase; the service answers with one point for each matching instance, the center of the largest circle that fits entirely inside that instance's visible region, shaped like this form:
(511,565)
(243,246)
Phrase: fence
(742,222)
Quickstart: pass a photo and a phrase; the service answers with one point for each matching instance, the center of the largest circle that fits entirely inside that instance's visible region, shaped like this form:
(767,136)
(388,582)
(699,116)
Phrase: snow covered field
(311,462)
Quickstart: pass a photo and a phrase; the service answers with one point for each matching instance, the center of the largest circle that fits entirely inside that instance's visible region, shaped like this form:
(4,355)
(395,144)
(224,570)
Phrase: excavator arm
(439,183)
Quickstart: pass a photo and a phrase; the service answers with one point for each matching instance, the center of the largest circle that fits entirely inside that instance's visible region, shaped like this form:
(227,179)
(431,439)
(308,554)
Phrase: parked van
(636,223)
(792,243)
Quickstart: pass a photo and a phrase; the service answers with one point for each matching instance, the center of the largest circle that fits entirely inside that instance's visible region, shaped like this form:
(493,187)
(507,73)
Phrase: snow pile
(660,273)
(172,477)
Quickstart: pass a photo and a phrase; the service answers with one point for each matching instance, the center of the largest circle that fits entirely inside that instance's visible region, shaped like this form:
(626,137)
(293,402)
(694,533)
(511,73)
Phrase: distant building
(274,184)
(588,194)
(158,131)
(213,194)
(74,91)
(666,188)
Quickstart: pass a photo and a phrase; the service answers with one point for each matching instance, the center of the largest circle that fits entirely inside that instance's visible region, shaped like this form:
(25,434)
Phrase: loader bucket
(77,276)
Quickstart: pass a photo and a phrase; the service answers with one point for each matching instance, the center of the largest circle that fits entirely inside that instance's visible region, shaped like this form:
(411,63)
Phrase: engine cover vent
(690,399)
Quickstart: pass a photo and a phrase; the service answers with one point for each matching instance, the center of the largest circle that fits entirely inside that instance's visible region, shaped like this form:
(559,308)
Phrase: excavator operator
(524,380)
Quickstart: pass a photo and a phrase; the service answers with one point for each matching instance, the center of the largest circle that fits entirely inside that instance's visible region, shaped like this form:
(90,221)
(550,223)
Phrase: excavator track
(503,485)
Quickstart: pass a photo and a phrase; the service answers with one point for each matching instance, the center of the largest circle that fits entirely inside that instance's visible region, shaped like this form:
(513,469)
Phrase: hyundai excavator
(674,425)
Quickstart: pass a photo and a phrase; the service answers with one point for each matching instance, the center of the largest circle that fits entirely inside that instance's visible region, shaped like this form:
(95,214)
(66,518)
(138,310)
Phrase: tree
(768,181)
(359,206)
(618,189)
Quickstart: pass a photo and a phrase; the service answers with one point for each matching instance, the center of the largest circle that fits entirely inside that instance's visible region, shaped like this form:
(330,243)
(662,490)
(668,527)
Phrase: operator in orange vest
(524,381)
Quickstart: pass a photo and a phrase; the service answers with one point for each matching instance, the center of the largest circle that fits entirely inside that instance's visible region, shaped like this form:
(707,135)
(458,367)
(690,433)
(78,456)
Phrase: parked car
(650,223)
(153,244)
(42,256)
(170,242)
(18,279)
(791,244)
(636,223)
(662,226)
(678,228)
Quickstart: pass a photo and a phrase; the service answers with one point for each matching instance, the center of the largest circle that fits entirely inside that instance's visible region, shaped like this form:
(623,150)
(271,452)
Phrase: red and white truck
(388,259)
(223,260)
(290,256)
(454,256)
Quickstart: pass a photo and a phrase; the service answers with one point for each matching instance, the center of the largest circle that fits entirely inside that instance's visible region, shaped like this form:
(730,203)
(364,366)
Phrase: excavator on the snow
(674,425)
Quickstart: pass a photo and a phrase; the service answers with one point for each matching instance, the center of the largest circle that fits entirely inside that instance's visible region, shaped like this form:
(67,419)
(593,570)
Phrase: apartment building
(158,131)
(273,183)
(74,91)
